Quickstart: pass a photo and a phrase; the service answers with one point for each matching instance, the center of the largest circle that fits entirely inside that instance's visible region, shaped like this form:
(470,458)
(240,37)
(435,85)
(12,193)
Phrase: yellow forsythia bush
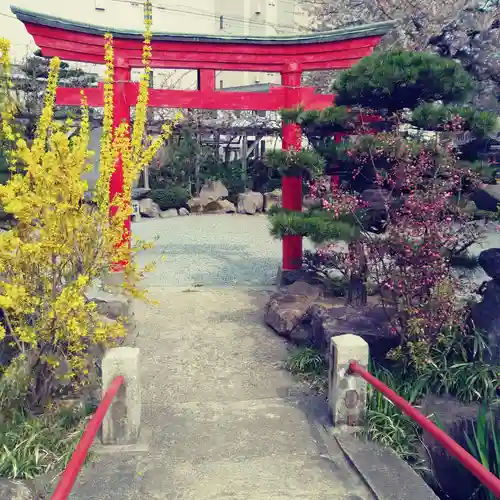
(59,245)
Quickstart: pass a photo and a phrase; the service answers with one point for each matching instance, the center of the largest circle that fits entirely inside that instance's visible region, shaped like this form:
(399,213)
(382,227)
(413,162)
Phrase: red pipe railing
(68,478)
(487,478)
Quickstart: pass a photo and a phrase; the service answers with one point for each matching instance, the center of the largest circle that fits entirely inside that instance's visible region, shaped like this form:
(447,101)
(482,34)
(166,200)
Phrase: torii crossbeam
(288,55)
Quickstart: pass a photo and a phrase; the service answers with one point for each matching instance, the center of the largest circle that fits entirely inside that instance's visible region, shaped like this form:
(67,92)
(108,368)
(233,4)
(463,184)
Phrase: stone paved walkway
(221,419)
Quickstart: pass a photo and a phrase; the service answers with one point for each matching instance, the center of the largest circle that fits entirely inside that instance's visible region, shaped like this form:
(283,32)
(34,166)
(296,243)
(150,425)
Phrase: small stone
(112,306)
(183,212)
(168,214)
(149,208)
(250,202)
(14,490)
(274,198)
(196,205)
(220,207)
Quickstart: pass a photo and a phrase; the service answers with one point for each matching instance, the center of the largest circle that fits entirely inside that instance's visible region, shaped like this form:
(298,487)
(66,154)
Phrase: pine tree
(392,106)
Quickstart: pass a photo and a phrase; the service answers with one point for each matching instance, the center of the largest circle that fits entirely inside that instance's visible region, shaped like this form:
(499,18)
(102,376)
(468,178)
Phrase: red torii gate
(288,55)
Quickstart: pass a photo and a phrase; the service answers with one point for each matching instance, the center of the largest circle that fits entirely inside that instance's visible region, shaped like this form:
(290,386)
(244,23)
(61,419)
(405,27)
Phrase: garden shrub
(170,197)
(59,246)
(396,80)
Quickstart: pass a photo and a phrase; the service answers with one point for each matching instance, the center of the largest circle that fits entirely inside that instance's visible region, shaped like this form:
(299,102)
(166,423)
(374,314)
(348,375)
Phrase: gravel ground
(221,250)
(210,250)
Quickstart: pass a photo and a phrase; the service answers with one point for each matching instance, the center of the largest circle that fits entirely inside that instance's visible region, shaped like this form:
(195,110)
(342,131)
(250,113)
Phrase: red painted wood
(68,477)
(209,99)
(206,80)
(292,193)
(278,50)
(292,253)
(164,98)
(486,477)
(249,66)
(67,96)
(66,55)
(121,115)
(199,56)
(292,186)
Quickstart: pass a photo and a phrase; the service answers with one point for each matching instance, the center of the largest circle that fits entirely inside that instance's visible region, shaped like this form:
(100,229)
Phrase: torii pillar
(292,186)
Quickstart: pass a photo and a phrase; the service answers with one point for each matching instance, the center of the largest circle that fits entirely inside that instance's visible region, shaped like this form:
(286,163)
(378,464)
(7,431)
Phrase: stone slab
(388,476)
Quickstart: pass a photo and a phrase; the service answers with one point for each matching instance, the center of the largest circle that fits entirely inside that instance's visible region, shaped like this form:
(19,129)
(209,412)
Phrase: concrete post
(347,393)
(121,424)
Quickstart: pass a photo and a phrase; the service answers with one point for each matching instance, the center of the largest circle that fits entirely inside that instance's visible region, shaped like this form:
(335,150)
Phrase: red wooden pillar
(292,186)
(121,113)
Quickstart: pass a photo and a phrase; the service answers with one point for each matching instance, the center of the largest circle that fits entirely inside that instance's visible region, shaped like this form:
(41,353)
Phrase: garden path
(221,419)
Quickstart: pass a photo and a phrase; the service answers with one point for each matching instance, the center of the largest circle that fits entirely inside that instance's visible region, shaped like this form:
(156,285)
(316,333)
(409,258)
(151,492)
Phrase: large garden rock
(457,420)
(489,260)
(370,323)
(213,191)
(220,207)
(274,198)
(486,317)
(487,197)
(14,490)
(149,208)
(287,310)
(250,202)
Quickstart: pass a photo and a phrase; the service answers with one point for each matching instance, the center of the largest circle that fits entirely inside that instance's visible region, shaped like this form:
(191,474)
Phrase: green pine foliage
(430,116)
(335,118)
(319,226)
(306,162)
(396,80)
(170,197)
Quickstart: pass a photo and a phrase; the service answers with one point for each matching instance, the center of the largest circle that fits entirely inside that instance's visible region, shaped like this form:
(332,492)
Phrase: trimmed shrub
(396,80)
(171,197)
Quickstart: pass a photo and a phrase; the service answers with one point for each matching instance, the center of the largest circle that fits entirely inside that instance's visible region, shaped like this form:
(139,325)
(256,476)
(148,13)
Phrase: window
(221,22)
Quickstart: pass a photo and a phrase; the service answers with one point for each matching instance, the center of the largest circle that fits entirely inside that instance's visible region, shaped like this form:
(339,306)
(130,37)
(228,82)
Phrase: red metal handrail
(487,478)
(68,478)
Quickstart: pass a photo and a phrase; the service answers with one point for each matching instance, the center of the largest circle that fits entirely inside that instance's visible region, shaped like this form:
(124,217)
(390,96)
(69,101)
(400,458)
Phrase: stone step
(259,478)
